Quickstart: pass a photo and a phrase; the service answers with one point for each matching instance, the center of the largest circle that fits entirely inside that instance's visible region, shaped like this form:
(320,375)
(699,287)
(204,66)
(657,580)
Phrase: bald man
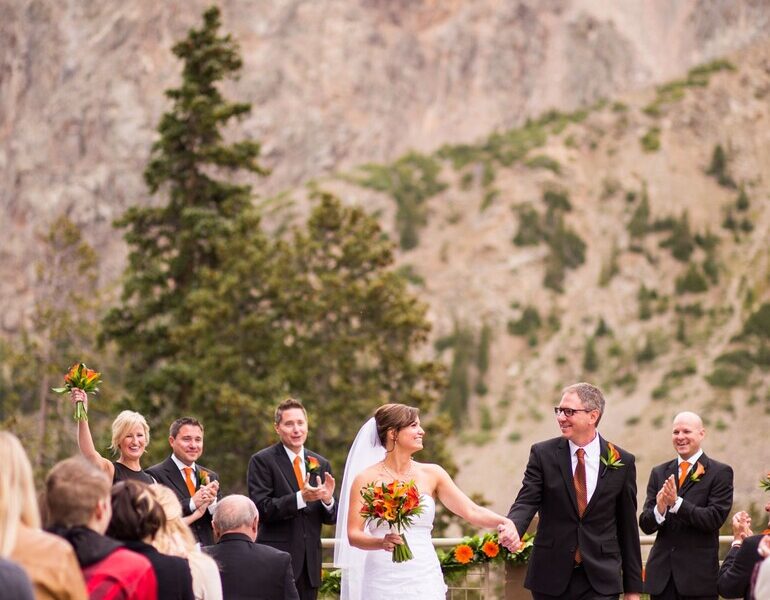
(688,500)
(249,571)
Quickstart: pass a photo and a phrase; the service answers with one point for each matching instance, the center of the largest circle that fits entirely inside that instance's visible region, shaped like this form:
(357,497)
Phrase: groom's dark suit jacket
(607,534)
(169,475)
(687,543)
(273,488)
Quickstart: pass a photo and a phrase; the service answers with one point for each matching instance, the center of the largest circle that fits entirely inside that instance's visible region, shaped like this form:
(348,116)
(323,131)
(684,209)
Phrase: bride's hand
(390,541)
(78,395)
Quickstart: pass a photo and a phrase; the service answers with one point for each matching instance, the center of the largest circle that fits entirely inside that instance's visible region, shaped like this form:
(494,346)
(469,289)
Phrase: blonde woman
(130,436)
(176,539)
(48,560)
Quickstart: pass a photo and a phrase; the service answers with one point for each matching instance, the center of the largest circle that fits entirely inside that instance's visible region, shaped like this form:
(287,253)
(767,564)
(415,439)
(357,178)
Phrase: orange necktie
(298,472)
(683,468)
(188,480)
(581,492)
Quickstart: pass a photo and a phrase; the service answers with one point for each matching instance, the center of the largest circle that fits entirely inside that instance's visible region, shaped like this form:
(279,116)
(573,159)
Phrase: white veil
(365,451)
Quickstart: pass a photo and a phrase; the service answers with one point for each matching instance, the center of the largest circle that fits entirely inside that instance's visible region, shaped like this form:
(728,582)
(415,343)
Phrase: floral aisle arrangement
(455,562)
(395,503)
(478,550)
(81,377)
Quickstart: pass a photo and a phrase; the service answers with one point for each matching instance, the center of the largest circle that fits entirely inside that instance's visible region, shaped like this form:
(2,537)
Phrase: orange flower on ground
(463,554)
(490,549)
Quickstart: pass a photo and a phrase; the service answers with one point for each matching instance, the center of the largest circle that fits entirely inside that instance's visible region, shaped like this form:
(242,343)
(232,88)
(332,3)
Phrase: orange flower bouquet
(81,377)
(395,503)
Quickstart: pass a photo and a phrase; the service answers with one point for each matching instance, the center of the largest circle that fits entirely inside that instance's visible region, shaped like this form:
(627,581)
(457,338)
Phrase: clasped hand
(509,536)
(324,491)
(205,495)
(666,497)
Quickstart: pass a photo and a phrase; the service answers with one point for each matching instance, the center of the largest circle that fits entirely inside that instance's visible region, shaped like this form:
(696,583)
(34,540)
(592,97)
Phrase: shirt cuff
(330,505)
(213,506)
(659,517)
(193,508)
(300,501)
(677,504)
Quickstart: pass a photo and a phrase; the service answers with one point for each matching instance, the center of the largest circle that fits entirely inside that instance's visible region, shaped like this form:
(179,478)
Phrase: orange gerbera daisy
(490,548)
(463,554)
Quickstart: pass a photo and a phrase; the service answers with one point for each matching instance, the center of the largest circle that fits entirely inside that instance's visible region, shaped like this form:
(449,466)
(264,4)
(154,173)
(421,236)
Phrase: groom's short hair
(590,395)
(288,404)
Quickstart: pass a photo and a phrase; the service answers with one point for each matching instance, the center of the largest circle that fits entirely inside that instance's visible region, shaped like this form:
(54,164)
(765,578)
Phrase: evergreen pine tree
(172,242)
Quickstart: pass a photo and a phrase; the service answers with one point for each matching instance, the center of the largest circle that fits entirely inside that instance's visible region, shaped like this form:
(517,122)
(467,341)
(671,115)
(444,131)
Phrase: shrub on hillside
(692,282)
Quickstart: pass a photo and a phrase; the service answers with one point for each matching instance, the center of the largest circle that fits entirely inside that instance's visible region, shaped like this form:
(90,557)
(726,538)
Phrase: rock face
(333,84)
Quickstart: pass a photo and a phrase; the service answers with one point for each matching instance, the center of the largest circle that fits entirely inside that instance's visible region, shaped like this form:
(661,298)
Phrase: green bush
(681,241)
(590,357)
(529,232)
(650,141)
(489,198)
(528,323)
(758,323)
(557,199)
(692,282)
(726,378)
(742,202)
(542,161)
(639,224)
(718,168)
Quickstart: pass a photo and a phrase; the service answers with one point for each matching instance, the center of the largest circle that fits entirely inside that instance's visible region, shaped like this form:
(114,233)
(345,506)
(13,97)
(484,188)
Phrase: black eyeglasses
(568,412)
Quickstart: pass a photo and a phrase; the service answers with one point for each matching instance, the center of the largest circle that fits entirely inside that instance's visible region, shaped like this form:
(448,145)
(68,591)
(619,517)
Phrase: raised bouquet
(395,503)
(81,377)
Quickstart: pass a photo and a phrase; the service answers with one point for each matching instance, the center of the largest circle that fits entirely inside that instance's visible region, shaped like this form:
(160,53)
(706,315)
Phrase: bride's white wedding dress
(416,579)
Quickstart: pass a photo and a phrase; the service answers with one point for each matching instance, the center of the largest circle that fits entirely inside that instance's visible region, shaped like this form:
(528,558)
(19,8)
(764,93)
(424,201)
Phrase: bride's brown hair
(394,416)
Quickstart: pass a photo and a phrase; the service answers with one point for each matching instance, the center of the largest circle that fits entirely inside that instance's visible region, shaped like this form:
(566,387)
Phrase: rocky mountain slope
(340,83)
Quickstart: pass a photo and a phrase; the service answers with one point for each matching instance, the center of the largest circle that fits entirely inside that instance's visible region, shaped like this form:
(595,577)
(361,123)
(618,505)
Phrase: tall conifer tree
(172,241)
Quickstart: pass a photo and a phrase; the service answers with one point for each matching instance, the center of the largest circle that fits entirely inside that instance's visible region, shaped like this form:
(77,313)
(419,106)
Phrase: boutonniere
(764,483)
(203,477)
(697,472)
(312,466)
(612,460)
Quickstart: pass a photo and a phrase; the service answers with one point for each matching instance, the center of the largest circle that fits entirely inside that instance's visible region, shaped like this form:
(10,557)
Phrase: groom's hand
(509,535)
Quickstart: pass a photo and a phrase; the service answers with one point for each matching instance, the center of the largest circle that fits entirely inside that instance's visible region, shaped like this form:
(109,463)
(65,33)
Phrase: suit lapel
(600,476)
(285,466)
(175,477)
(688,483)
(564,461)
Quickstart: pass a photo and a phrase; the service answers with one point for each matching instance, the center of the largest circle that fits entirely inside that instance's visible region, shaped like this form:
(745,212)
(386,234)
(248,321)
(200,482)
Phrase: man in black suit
(196,487)
(688,499)
(584,488)
(293,490)
(734,579)
(249,571)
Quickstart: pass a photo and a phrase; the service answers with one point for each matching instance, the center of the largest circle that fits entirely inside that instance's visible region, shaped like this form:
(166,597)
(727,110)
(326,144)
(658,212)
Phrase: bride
(382,452)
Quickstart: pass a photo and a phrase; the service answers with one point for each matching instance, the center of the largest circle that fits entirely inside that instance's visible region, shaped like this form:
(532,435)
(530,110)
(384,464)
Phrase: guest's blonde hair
(125,422)
(175,537)
(18,503)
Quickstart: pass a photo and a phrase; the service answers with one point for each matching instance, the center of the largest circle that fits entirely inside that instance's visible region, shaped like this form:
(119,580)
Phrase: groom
(293,490)
(584,488)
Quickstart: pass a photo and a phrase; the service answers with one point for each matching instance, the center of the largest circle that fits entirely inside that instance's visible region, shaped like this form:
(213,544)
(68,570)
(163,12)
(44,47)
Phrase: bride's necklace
(407,475)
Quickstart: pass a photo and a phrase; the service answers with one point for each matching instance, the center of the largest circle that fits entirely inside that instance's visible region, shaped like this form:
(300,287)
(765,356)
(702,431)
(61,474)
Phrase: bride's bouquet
(81,377)
(395,503)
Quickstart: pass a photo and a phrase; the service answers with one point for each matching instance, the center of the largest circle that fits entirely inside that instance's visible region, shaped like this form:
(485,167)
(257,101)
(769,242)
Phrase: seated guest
(176,539)
(48,560)
(79,508)
(137,516)
(735,573)
(196,487)
(14,581)
(250,571)
(130,436)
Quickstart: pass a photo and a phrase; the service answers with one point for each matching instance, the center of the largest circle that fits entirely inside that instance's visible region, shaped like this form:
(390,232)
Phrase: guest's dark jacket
(169,475)
(273,488)
(735,572)
(607,534)
(172,573)
(252,571)
(687,543)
